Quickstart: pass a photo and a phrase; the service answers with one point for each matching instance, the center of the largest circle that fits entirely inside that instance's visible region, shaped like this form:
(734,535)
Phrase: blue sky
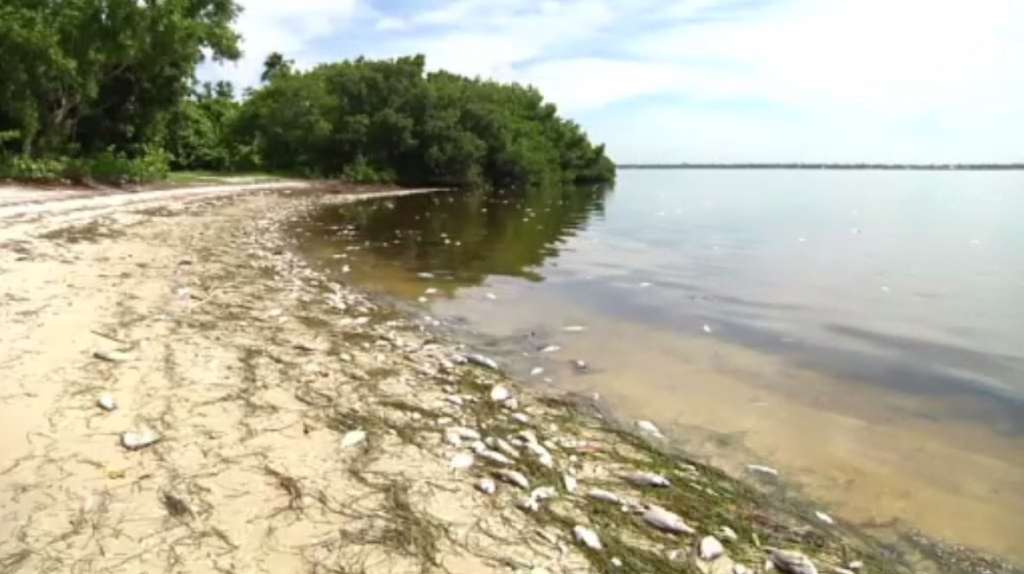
(705,80)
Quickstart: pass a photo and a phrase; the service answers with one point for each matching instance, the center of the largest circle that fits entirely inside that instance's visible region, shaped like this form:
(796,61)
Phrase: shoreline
(303,425)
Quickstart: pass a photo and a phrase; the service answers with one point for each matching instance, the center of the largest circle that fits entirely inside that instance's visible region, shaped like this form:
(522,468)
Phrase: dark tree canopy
(390,120)
(85,75)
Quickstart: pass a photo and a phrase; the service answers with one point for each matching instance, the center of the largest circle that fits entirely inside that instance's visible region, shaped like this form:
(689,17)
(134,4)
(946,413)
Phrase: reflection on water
(862,331)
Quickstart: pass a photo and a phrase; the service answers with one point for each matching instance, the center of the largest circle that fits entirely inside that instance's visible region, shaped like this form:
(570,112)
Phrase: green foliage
(84,75)
(386,120)
(109,167)
(198,133)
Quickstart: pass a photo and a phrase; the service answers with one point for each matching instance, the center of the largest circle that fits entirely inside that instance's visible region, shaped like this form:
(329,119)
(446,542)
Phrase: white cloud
(280,26)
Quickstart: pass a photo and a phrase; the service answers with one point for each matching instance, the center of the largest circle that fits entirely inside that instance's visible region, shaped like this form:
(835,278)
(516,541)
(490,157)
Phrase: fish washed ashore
(183,393)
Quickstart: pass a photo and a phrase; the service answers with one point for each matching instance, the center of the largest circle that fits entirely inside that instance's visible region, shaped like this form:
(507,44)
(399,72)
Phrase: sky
(704,80)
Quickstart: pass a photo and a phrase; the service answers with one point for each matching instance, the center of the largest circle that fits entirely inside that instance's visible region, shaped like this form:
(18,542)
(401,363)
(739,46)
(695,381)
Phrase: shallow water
(860,331)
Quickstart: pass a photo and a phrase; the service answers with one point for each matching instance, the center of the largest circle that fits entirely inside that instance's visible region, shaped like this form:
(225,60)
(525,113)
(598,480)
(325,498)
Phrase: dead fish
(482,361)
(579,365)
(486,486)
(574,329)
(569,482)
(513,477)
(543,454)
(500,393)
(106,402)
(112,356)
(648,427)
(504,447)
(666,520)
(495,457)
(710,548)
(544,493)
(425,275)
(536,371)
(461,461)
(792,562)
(139,440)
(520,418)
(353,438)
(587,537)
(528,504)
(551,349)
(463,433)
(647,479)
(604,496)
(824,518)
(729,534)
(764,470)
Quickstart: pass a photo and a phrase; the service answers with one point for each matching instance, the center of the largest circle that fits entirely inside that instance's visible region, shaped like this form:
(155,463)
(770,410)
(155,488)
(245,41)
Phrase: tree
(274,65)
(92,74)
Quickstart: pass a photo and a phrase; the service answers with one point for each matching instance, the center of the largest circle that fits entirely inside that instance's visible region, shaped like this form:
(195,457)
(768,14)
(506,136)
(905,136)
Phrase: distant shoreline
(839,166)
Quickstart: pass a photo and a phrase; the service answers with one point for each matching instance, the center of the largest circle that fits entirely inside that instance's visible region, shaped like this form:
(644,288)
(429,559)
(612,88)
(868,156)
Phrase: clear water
(861,331)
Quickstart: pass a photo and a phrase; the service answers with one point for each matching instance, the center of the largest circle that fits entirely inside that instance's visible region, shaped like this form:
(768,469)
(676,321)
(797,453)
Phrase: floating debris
(139,440)
(587,537)
(482,361)
(113,356)
(513,477)
(710,548)
(647,479)
(824,518)
(763,470)
(353,438)
(486,486)
(106,402)
(792,562)
(461,461)
(666,520)
(500,393)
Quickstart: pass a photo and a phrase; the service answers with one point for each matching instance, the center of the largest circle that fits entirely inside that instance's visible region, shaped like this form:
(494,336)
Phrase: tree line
(106,89)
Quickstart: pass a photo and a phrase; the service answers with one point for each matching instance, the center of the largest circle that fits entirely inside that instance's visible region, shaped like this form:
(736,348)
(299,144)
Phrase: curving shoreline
(305,426)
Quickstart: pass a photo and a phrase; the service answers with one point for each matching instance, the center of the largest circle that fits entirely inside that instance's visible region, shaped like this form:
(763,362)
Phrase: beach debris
(495,457)
(666,520)
(647,479)
(486,486)
(710,548)
(513,477)
(763,470)
(792,562)
(569,482)
(648,427)
(824,517)
(550,349)
(604,496)
(139,440)
(106,402)
(112,356)
(536,371)
(482,361)
(353,438)
(729,534)
(500,393)
(587,537)
(574,329)
(461,461)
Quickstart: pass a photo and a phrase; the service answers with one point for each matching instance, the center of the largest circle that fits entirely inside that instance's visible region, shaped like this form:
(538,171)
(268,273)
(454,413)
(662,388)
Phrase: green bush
(108,167)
